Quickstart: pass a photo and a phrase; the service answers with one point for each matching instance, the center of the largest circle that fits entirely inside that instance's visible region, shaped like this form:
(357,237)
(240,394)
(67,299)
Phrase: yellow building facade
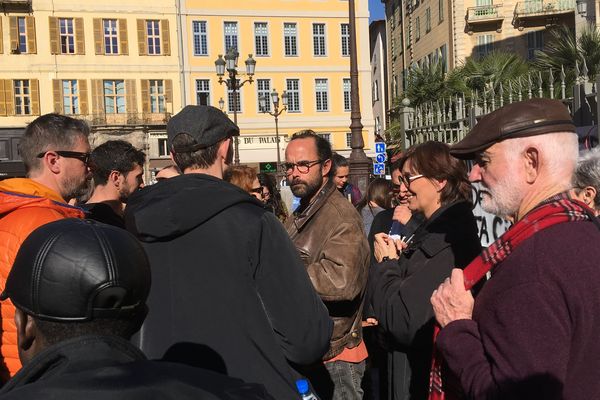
(300,46)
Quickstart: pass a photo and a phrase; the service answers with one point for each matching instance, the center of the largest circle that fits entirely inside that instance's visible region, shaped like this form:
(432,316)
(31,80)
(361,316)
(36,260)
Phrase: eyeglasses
(303,166)
(408,179)
(258,190)
(83,157)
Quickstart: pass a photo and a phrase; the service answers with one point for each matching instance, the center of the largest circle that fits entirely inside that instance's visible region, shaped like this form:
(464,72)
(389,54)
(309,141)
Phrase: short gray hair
(587,172)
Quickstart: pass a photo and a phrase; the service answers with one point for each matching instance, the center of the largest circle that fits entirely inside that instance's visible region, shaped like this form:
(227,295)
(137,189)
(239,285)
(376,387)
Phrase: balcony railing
(15,5)
(543,7)
(128,119)
(484,15)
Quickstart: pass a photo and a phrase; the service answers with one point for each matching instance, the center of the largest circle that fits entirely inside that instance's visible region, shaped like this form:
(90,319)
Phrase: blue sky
(376,10)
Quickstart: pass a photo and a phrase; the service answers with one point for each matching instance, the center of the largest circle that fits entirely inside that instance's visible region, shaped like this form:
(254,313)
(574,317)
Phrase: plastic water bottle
(304,390)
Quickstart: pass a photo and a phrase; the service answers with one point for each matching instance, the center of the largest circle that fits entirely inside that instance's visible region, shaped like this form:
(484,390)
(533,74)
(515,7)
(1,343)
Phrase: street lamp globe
(262,103)
(231,59)
(250,65)
(284,98)
(275,98)
(221,104)
(220,66)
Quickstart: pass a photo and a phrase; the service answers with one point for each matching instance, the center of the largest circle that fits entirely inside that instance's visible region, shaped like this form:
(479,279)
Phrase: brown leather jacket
(330,237)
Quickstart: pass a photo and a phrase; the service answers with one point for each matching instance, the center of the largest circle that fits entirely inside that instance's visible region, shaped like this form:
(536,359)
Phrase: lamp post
(262,104)
(232,83)
(222,104)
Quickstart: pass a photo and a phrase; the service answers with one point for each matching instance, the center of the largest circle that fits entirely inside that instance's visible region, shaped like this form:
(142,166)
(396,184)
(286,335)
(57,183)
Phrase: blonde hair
(241,176)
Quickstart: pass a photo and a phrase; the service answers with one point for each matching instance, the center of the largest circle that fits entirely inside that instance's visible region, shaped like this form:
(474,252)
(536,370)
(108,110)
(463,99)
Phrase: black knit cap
(79,270)
(206,124)
(520,119)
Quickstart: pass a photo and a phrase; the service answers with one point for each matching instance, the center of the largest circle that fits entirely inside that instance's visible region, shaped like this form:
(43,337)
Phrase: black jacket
(229,291)
(110,368)
(401,292)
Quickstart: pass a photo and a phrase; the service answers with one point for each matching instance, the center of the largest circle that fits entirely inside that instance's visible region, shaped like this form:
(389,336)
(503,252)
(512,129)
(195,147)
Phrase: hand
(402,214)
(451,301)
(370,322)
(384,247)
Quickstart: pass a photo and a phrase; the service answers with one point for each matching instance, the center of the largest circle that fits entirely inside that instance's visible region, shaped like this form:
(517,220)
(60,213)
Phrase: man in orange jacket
(55,151)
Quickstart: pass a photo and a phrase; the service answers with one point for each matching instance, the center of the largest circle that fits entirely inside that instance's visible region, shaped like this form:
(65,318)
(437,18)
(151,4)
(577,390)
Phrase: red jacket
(24,206)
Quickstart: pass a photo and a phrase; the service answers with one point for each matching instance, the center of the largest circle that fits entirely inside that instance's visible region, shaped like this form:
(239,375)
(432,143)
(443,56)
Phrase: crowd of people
(211,284)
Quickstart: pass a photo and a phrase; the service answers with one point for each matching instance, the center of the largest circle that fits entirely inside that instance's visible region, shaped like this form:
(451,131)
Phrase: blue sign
(380,157)
(378,169)
(379,147)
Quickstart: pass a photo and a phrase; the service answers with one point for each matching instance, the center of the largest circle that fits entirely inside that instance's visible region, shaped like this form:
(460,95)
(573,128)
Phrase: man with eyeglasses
(229,291)
(118,170)
(329,235)
(55,151)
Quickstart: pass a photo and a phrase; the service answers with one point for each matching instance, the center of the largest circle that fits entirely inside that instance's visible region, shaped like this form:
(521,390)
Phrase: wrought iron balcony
(15,6)
(544,11)
(131,119)
(484,16)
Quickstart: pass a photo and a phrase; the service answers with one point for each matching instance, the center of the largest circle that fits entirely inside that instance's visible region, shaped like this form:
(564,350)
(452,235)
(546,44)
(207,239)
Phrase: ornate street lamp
(262,104)
(229,63)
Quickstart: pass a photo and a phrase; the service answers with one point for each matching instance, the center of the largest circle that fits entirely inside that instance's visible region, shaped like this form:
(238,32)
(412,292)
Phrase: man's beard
(304,189)
(74,188)
(503,199)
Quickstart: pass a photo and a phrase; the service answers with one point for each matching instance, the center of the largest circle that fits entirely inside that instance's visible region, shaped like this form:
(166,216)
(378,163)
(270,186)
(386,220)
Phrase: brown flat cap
(524,118)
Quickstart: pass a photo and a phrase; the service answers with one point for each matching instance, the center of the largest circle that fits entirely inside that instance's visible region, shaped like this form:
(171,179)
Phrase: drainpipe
(182,57)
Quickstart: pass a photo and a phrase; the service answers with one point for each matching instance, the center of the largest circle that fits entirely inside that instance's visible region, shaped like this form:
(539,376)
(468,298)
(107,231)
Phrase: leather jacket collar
(302,217)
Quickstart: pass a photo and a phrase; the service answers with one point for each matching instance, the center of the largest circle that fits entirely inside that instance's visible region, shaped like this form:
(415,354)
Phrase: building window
(349,139)
(261,41)
(153,36)
(319,40)
(200,38)
(67,35)
(114,97)
(441,10)
(417,28)
(231,99)
(111,38)
(326,136)
(22,34)
(290,39)
(231,35)
(375,90)
(157,96)
(347,97)
(345,40)
(395,85)
(293,92)
(70,97)
(428,20)
(263,86)
(485,45)
(321,94)
(377,125)
(535,41)
(408,36)
(22,97)
(202,92)
(163,148)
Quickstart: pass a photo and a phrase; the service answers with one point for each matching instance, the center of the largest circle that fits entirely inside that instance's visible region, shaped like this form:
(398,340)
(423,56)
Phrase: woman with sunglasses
(245,178)
(408,270)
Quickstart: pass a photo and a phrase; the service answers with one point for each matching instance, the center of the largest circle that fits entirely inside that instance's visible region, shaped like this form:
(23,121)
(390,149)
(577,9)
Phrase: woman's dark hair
(274,203)
(379,192)
(433,160)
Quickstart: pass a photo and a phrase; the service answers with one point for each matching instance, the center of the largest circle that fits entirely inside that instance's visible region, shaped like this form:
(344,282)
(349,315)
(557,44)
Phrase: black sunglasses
(83,157)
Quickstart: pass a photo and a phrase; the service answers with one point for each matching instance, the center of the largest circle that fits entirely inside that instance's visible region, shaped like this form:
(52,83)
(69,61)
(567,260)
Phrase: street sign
(379,147)
(380,157)
(378,169)
(268,167)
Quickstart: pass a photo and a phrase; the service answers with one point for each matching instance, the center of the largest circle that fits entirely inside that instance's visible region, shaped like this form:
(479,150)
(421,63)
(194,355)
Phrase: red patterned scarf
(555,210)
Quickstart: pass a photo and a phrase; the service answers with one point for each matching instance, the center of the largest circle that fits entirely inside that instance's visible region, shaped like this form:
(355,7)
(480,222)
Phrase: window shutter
(169,92)
(141,33)
(35,96)
(79,36)
(2,98)
(1,38)
(123,42)
(98,42)
(165,37)
(83,97)
(13,33)
(30,24)
(97,98)
(145,96)
(130,98)
(57,95)
(9,97)
(54,37)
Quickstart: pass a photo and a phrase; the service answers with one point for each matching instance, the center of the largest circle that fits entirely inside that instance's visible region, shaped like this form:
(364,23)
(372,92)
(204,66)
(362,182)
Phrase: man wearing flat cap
(80,289)
(229,291)
(531,332)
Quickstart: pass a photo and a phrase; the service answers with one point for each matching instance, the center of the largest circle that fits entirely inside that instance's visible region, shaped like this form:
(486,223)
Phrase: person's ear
(531,160)
(114,178)
(589,194)
(326,167)
(440,184)
(26,330)
(51,161)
